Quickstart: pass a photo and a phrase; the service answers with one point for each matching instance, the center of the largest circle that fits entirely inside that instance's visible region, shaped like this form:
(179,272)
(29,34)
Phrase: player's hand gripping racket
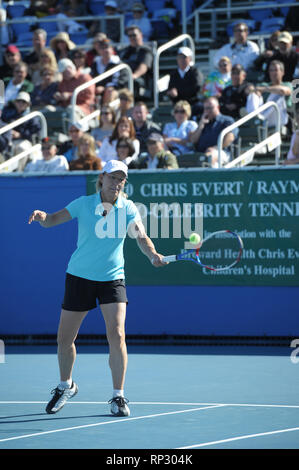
(219,251)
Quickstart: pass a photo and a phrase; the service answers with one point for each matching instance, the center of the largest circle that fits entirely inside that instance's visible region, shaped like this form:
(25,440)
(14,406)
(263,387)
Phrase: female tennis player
(96,272)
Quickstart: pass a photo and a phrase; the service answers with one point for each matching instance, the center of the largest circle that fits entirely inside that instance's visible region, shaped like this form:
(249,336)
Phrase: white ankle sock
(65,384)
(118,393)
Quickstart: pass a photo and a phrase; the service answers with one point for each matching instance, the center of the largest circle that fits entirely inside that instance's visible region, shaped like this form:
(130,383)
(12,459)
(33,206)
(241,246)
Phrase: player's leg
(69,325)
(114,315)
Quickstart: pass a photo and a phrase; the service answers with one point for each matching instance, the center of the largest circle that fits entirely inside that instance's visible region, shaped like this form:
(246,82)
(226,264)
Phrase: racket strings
(220,251)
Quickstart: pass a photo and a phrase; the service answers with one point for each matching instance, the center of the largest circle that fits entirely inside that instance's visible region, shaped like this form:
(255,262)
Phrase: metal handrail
(228,9)
(13,163)
(27,117)
(256,146)
(168,45)
(98,79)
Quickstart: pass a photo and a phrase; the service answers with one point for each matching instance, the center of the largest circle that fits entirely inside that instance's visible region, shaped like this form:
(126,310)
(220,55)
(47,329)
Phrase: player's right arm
(50,220)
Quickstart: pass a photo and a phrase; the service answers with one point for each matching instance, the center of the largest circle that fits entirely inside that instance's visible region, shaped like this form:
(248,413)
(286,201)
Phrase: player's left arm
(146,245)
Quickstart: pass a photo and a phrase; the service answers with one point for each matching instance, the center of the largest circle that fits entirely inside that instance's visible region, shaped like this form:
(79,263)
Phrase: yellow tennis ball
(194,238)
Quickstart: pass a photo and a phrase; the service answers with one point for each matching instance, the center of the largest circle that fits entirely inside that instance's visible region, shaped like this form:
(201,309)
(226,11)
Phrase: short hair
(185,105)
(241,23)
(40,32)
(277,62)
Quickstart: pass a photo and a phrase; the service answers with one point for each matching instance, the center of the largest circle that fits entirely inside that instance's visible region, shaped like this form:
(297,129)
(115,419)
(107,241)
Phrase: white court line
(103,423)
(259,405)
(231,439)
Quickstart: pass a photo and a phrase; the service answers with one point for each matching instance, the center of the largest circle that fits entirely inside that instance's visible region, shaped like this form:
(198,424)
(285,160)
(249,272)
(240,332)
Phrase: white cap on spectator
(23,96)
(65,63)
(111,4)
(80,126)
(115,165)
(185,51)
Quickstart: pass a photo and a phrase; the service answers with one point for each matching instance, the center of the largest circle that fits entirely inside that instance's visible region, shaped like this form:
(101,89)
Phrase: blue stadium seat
(260,14)
(16,10)
(283,10)
(269,25)
(160,29)
(153,5)
(79,38)
(49,26)
(189,5)
(97,7)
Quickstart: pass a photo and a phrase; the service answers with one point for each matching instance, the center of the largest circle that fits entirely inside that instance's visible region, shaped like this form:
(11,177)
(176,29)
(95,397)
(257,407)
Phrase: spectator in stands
(112,27)
(139,19)
(234,97)
(292,18)
(140,58)
(104,62)
(125,5)
(241,51)
(126,103)
(17,83)
(41,8)
(186,81)
(176,134)
(217,80)
(5,142)
(157,156)
(94,51)
(32,59)
(124,128)
(293,153)
(284,54)
(205,137)
(262,61)
(73,8)
(87,158)
(143,125)
(276,90)
(12,57)
(125,151)
(78,56)
(70,148)
(47,59)
(24,132)
(62,45)
(43,94)
(50,161)
(106,126)
(70,81)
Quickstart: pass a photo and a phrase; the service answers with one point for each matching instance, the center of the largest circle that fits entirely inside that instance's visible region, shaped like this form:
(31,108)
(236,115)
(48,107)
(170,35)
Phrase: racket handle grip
(170,258)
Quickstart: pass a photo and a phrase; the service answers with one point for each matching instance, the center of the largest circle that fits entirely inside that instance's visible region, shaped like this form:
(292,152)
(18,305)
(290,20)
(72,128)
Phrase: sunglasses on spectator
(241,30)
(132,35)
(122,147)
(181,111)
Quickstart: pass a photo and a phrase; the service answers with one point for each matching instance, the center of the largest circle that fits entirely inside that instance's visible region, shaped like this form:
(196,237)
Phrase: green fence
(262,205)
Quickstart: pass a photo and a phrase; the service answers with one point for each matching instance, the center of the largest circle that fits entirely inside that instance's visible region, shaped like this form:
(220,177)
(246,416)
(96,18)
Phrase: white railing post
(163,48)
(268,140)
(27,117)
(98,79)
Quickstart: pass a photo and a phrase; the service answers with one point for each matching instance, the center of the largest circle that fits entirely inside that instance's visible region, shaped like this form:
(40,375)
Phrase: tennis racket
(219,251)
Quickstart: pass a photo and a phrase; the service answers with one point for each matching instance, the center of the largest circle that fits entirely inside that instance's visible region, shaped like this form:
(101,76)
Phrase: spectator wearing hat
(50,161)
(241,50)
(111,26)
(24,132)
(140,58)
(139,19)
(284,54)
(186,81)
(234,96)
(157,156)
(62,45)
(12,57)
(32,59)
(17,83)
(104,62)
(71,79)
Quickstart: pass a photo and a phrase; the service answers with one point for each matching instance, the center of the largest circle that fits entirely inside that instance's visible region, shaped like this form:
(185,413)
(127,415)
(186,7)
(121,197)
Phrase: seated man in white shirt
(50,162)
(241,51)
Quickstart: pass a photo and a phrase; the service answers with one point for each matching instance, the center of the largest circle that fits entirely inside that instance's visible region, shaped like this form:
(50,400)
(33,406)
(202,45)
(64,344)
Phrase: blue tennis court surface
(180,398)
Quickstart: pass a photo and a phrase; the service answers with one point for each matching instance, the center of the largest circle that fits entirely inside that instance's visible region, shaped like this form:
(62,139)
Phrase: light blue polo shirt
(99,254)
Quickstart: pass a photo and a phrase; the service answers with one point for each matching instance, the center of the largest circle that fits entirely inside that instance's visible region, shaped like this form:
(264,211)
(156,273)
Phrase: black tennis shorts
(82,294)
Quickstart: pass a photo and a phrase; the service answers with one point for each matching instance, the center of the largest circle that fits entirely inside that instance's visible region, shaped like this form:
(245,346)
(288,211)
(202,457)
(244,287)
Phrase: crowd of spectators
(45,78)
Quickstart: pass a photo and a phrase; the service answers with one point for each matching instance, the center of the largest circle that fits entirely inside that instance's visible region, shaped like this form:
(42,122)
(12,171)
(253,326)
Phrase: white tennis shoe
(119,406)
(60,398)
